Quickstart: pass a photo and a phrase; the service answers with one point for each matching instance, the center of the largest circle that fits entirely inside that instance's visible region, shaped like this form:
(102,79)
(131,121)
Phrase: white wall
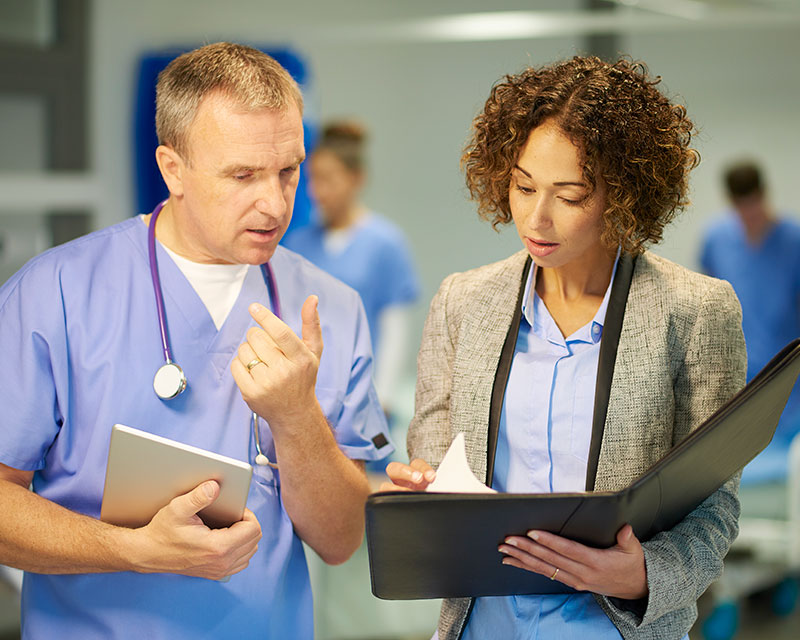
(742,89)
(419,101)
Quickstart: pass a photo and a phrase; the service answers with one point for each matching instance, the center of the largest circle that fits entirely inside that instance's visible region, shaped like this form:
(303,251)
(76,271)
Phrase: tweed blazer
(680,354)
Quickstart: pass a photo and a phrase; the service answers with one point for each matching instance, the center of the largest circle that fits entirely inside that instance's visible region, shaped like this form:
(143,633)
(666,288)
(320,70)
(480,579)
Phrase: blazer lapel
(501,376)
(481,332)
(612,328)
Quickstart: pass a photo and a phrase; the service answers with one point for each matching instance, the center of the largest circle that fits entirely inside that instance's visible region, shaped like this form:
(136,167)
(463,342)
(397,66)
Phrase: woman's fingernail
(416,476)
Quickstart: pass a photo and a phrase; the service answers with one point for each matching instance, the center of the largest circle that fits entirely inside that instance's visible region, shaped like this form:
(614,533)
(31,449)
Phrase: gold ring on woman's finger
(555,573)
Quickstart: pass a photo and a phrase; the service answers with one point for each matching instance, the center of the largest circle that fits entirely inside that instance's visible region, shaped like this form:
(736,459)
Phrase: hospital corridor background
(76,89)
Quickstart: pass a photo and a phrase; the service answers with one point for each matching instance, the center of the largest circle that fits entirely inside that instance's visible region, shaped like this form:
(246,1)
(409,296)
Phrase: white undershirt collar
(218,285)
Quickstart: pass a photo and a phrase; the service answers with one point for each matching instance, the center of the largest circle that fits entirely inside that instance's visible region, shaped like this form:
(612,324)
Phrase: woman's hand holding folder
(618,571)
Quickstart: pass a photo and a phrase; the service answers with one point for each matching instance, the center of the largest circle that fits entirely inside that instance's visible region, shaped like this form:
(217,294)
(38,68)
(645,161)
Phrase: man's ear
(172,167)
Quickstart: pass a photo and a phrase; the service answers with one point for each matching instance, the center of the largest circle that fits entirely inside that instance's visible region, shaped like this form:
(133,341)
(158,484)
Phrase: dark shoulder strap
(501,376)
(612,328)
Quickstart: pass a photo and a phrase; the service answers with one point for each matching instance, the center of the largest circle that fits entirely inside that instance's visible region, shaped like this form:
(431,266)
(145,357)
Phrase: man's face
(752,208)
(333,186)
(238,182)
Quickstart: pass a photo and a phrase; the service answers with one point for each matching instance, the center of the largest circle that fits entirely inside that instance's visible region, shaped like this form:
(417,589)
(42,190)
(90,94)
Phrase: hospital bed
(766,554)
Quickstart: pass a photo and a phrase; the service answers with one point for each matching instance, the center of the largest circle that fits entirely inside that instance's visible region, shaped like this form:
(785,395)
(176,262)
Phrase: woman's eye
(525,190)
(242,176)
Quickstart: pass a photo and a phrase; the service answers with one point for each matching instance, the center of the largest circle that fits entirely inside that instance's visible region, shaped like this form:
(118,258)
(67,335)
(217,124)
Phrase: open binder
(435,545)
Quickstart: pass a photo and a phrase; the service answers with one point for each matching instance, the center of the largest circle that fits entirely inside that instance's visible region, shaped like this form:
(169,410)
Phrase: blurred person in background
(757,250)
(361,248)
(581,360)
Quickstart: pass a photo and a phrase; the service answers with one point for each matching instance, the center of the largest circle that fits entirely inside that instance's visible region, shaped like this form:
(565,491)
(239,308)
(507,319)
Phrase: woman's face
(333,186)
(557,219)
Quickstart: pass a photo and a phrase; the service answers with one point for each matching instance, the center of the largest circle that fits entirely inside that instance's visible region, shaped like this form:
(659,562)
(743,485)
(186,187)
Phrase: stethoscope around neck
(170,380)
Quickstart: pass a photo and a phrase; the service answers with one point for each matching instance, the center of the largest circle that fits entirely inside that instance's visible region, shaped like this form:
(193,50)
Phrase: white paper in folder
(454,474)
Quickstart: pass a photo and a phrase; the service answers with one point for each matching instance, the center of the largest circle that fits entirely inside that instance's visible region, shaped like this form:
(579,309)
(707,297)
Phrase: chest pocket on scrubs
(266,477)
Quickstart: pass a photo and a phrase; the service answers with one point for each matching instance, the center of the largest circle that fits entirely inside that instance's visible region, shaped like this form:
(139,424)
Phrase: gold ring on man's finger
(253,363)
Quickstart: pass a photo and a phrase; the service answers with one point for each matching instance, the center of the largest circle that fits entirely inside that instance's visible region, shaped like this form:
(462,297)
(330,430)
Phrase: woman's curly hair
(628,132)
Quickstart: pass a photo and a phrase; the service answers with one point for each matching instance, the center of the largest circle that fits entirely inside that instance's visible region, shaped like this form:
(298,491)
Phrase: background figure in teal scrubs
(757,250)
(360,248)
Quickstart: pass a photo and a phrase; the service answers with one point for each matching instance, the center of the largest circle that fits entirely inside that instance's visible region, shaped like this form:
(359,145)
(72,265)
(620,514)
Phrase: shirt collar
(591,332)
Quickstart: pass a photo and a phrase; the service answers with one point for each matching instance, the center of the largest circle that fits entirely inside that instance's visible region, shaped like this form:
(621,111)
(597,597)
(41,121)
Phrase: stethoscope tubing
(151,250)
(272,290)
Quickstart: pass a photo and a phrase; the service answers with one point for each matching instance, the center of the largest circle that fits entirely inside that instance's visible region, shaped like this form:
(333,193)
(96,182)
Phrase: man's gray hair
(249,77)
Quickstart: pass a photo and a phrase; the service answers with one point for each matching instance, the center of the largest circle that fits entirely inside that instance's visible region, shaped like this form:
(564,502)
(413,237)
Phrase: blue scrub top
(79,345)
(766,279)
(376,262)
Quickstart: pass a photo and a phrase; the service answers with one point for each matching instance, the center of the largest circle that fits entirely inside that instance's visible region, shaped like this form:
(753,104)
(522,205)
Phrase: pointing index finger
(285,339)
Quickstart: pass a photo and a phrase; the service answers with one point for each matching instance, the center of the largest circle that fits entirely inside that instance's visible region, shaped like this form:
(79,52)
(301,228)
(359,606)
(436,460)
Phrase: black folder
(435,545)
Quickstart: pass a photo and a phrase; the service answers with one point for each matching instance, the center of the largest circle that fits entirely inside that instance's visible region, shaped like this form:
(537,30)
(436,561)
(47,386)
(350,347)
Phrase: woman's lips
(540,248)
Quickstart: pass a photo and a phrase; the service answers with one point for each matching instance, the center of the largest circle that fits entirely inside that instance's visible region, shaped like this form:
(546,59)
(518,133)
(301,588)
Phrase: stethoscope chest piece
(262,460)
(169,381)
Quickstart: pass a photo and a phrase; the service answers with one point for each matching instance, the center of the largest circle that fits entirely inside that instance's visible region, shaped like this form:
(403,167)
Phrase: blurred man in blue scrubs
(360,247)
(758,251)
(80,342)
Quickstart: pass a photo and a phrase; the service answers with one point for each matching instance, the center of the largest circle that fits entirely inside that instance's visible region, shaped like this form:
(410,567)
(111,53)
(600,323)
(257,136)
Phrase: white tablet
(146,471)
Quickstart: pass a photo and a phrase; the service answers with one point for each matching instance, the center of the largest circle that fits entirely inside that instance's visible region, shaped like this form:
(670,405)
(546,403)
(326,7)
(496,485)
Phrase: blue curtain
(149,187)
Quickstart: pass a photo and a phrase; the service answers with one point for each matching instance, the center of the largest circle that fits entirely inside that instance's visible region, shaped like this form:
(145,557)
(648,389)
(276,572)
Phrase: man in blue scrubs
(758,252)
(80,343)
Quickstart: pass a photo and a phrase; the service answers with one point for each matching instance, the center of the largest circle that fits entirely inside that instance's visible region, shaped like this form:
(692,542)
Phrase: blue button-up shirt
(543,447)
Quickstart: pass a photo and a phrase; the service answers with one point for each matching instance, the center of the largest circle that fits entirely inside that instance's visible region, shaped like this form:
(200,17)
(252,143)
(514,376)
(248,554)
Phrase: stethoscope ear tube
(162,318)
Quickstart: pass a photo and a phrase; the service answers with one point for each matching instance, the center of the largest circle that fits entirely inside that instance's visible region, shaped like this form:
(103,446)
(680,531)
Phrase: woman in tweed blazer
(590,161)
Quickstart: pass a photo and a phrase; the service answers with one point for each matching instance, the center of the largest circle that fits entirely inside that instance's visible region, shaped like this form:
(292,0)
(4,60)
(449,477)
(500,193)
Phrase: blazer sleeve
(682,562)
(429,431)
